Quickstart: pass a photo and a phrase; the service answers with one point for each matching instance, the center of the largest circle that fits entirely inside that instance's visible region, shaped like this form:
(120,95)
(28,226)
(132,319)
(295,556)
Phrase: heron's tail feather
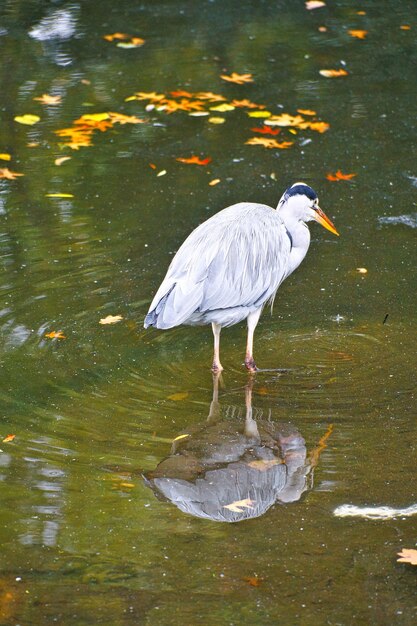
(175,307)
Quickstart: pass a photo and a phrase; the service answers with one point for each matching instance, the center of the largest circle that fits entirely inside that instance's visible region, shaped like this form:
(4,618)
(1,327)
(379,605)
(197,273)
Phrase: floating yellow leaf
(268,143)
(306,112)
(362,270)
(162,173)
(320,127)
(49,100)
(216,120)
(5,157)
(222,108)
(185,436)
(405,27)
(259,114)
(111,319)
(59,195)
(214,182)
(239,505)
(181,395)
(28,119)
(359,34)
(8,438)
(55,335)
(239,79)
(61,160)
(92,117)
(6,173)
(333,73)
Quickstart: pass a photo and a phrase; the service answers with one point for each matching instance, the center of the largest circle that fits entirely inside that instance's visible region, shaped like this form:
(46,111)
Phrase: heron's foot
(250,364)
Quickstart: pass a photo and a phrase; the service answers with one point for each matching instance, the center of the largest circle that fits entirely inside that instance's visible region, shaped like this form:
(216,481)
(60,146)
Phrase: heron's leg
(253,319)
(217,366)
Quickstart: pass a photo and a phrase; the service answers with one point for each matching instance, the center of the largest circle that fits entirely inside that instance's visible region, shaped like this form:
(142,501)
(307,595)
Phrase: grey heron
(231,265)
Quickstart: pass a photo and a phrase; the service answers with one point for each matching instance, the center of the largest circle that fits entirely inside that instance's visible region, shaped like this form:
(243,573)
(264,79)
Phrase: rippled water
(88,533)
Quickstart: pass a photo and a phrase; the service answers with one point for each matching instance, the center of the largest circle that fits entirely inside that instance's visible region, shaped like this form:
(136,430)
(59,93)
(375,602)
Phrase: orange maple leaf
(408,555)
(125,119)
(306,112)
(239,79)
(333,73)
(359,34)
(47,99)
(268,143)
(114,36)
(247,104)
(55,335)
(194,159)
(339,176)
(265,130)
(181,94)
(208,95)
(170,106)
(8,438)
(6,173)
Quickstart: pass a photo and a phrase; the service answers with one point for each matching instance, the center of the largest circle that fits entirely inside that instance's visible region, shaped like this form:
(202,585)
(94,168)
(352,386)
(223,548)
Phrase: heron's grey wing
(251,261)
(237,258)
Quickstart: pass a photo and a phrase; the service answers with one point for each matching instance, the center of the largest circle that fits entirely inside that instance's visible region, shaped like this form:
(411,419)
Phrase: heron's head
(300,202)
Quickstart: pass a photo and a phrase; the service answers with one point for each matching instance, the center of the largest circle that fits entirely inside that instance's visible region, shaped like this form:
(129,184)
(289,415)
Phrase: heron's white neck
(299,234)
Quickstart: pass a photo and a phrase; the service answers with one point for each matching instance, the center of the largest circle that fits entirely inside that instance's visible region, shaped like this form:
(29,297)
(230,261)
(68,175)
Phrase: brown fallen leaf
(49,100)
(194,160)
(8,438)
(6,173)
(254,581)
(339,176)
(408,555)
(359,34)
(177,397)
(268,143)
(55,335)
(333,73)
(239,79)
(111,319)
(239,505)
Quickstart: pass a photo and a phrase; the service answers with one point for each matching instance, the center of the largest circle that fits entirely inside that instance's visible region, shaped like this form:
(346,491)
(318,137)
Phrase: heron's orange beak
(322,219)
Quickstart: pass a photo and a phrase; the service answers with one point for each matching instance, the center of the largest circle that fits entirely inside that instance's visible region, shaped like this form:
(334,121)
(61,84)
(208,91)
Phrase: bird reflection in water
(228,469)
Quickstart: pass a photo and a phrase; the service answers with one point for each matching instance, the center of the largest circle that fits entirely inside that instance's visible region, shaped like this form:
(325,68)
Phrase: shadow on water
(236,464)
